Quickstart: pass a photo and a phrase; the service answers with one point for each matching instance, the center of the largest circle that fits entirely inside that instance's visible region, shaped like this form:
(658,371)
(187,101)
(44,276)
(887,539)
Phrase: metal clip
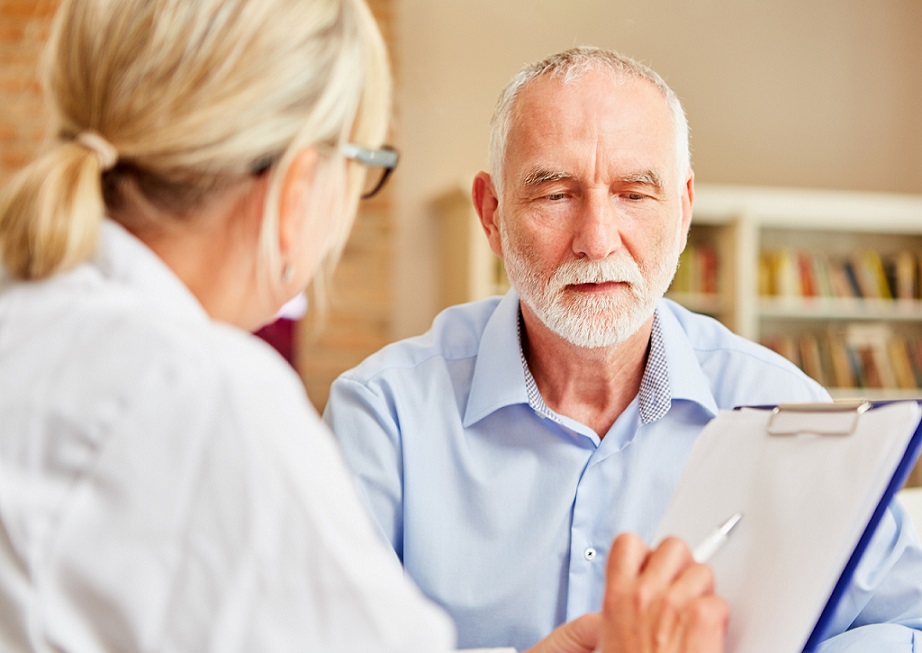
(839,418)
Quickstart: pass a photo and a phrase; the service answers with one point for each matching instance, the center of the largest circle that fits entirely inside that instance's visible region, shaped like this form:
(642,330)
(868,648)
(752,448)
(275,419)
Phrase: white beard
(584,319)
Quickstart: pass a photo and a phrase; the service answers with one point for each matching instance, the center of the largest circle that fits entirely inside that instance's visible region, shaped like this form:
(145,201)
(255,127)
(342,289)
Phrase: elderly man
(503,451)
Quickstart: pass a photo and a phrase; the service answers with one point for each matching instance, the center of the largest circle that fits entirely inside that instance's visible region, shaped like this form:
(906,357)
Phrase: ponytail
(51,211)
(194,94)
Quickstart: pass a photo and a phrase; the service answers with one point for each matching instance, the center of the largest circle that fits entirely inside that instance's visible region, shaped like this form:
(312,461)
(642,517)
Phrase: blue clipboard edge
(900,474)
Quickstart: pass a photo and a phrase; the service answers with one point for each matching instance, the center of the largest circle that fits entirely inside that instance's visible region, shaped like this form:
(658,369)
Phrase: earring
(288,273)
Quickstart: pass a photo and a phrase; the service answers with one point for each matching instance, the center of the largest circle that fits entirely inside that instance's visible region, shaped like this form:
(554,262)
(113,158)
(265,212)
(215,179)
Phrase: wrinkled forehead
(592,95)
(615,115)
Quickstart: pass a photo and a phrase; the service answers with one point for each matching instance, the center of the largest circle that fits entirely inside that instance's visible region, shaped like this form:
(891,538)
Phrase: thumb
(578,636)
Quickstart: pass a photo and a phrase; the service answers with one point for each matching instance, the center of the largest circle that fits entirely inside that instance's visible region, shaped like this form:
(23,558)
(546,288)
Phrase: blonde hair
(191,94)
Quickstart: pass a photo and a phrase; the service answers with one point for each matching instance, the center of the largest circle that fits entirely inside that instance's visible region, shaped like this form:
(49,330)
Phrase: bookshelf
(829,279)
(795,269)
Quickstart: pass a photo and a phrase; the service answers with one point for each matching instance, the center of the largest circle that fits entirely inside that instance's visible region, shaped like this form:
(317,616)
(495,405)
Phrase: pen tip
(732,522)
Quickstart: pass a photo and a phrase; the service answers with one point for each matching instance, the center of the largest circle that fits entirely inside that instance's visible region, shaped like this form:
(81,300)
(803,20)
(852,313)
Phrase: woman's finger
(625,560)
(667,562)
(704,625)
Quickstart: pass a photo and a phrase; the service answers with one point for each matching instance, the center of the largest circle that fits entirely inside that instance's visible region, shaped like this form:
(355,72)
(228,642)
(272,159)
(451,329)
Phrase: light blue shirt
(503,511)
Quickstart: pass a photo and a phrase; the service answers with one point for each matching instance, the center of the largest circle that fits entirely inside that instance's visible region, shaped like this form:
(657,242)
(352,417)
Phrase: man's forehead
(556,120)
(586,107)
(548,91)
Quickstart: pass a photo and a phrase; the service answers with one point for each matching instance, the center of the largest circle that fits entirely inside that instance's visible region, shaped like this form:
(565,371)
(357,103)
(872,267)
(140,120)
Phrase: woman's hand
(660,601)
(578,636)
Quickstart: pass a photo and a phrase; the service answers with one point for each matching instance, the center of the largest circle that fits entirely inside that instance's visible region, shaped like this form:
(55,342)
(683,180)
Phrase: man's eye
(635,196)
(555,197)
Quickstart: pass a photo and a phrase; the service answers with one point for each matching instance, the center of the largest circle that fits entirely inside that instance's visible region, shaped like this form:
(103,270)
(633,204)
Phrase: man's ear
(486,202)
(297,186)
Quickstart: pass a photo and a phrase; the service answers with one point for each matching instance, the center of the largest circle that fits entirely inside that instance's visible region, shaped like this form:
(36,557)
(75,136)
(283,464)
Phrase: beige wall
(812,93)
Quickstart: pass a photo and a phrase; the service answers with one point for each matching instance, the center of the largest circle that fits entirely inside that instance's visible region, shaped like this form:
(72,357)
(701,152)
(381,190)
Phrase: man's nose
(597,231)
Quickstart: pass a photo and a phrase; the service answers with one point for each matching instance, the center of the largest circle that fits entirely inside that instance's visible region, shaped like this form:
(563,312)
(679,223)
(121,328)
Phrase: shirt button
(589,554)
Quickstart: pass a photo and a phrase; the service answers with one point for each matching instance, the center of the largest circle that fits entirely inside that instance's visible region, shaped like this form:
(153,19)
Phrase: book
(843,373)
(865,276)
(851,274)
(808,284)
(905,284)
(900,361)
(874,266)
(811,361)
(870,342)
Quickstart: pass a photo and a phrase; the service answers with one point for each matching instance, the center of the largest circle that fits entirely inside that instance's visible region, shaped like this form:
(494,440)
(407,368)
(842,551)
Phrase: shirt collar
(499,378)
(502,378)
(124,259)
(653,397)
(687,381)
(535,400)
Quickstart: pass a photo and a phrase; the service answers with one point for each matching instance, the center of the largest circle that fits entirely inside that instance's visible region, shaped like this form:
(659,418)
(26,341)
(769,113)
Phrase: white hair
(569,66)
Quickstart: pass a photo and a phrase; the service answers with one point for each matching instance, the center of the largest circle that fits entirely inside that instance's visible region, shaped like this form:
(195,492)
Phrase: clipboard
(813,482)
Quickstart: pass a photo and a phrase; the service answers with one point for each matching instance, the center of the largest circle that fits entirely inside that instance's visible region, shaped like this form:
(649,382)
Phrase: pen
(709,546)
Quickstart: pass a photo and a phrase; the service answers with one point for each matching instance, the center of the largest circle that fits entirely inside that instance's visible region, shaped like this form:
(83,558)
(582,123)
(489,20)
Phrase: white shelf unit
(468,270)
(743,223)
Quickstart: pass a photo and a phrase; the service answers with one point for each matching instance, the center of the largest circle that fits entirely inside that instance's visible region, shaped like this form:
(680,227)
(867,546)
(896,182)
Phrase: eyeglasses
(381,161)
(385,159)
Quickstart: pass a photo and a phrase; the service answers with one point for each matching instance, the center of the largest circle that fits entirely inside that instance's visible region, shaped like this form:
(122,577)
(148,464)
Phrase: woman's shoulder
(84,340)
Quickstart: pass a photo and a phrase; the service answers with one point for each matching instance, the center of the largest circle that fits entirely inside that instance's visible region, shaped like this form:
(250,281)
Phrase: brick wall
(23,30)
(359,321)
(359,318)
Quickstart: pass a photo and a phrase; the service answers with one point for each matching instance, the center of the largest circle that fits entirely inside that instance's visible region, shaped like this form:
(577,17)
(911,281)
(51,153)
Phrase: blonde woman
(164,483)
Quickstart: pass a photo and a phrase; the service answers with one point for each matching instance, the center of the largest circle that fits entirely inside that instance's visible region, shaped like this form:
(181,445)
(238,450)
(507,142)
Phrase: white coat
(166,486)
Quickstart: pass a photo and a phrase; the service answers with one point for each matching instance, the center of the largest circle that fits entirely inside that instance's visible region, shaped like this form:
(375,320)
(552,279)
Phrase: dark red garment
(281,335)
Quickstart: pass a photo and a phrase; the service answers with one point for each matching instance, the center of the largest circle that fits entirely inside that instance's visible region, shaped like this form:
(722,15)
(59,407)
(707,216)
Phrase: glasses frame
(384,157)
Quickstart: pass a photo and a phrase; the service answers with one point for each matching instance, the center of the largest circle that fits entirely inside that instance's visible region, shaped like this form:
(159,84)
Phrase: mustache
(612,269)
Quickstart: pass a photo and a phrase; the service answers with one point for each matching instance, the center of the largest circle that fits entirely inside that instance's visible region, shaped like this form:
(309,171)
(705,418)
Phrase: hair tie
(104,150)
